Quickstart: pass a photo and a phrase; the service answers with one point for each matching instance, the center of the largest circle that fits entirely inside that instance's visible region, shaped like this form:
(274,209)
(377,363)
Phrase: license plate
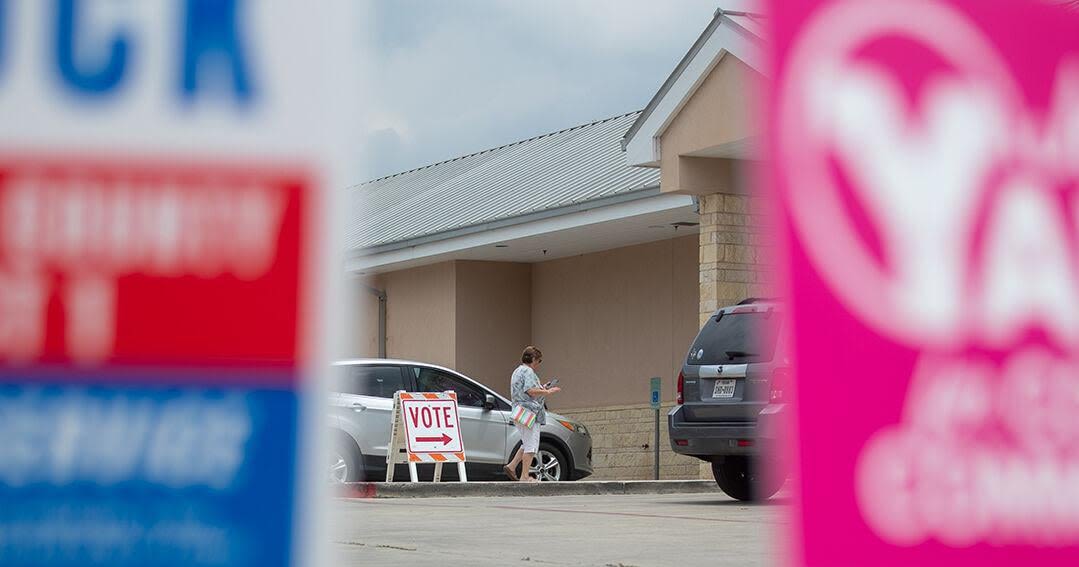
(724,389)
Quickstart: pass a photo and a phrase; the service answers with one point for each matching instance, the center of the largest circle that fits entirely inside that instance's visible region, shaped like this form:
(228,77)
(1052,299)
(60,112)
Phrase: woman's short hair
(531,354)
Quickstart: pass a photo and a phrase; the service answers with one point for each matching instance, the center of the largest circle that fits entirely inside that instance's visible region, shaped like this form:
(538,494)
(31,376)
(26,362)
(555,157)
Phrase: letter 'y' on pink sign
(926,157)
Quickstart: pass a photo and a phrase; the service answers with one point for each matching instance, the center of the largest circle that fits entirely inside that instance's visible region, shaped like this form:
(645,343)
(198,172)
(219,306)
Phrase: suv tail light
(780,386)
(681,385)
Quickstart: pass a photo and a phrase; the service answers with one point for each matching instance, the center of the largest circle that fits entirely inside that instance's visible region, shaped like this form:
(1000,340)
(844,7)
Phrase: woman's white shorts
(529,437)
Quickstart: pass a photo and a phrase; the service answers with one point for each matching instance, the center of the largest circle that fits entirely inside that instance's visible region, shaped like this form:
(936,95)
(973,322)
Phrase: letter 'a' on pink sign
(925,155)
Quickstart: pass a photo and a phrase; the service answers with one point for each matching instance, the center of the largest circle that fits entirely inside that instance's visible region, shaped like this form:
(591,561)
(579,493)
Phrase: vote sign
(432,425)
(926,156)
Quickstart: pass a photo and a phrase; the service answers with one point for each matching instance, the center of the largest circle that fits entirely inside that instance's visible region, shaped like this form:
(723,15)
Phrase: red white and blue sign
(163,227)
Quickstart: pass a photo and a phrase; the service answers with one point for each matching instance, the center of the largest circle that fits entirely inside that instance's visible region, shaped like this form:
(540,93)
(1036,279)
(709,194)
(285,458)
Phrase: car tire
(743,479)
(346,462)
(550,464)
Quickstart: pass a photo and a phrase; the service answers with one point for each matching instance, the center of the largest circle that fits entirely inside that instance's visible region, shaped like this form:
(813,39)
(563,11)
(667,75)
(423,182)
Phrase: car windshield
(736,338)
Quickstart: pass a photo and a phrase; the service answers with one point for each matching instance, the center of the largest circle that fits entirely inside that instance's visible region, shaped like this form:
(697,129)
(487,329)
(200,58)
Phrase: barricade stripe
(436,457)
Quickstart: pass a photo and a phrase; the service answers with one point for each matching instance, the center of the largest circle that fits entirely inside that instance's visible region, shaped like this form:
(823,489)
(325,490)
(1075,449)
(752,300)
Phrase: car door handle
(358,406)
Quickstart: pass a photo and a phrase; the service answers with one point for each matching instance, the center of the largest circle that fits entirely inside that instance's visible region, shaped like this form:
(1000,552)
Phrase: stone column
(731,258)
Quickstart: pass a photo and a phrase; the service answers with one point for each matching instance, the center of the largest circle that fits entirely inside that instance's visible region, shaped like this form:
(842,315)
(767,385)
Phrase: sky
(453,77)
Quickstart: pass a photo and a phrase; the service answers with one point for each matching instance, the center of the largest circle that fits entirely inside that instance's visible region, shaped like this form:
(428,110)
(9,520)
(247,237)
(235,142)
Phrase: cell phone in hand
(550,384)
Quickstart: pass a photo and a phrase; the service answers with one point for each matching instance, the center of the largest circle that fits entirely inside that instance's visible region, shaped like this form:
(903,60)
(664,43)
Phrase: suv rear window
(376,381)
(736,338)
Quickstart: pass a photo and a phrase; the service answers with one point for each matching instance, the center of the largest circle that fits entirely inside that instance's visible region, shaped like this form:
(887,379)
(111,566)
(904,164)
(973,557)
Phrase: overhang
(644,216)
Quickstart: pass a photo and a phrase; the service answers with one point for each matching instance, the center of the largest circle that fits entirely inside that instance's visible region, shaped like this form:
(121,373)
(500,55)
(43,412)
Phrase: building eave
(723,36)
(612,213)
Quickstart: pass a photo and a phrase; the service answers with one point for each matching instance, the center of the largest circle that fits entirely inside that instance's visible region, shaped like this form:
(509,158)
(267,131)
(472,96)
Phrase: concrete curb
(578,488)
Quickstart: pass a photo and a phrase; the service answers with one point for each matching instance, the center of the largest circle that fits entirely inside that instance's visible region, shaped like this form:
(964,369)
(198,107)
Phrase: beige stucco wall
(609,321)
(720,112)
(493,319)
(420,313)
(362,324)
(471,316)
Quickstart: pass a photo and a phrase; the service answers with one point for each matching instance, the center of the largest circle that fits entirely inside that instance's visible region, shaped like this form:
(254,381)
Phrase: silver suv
(737,363)
(360,419)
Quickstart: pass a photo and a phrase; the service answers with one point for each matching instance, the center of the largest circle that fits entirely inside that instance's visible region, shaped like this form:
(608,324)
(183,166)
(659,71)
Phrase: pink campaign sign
(926,156)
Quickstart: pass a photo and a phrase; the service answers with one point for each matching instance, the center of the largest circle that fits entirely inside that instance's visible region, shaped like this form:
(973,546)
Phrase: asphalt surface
(601,530)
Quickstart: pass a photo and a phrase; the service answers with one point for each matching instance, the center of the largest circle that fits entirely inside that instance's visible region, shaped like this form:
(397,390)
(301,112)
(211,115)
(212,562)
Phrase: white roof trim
(724,35)
(431,251)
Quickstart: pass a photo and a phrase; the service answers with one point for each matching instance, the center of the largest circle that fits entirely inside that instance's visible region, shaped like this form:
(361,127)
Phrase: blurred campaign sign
(926,155)
(164,242)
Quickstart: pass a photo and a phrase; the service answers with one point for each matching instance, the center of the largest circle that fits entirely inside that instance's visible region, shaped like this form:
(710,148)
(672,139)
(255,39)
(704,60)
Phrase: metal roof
(561,169)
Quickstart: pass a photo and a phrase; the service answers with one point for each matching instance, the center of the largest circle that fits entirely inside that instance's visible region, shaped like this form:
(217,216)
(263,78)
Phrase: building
(702,132)
(589,242)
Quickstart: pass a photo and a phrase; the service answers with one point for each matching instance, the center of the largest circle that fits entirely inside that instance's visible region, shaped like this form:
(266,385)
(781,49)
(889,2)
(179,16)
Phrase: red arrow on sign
(445,439)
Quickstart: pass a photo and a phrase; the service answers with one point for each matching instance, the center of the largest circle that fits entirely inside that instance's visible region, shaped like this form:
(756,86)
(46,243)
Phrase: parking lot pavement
(607,530)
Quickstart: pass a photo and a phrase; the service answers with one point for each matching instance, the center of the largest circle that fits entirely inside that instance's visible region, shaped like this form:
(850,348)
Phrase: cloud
(384,146)
(463,76)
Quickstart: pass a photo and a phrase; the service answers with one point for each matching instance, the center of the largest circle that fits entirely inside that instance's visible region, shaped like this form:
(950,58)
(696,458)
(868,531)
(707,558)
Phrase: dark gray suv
(737,363)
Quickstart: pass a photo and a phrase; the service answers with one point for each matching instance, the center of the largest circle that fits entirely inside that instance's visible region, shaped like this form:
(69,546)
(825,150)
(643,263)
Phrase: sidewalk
(577,488)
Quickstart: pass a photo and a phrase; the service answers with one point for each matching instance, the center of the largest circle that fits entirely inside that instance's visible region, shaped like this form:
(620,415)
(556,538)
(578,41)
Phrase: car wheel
(742,479)
(345,463)
(549,464)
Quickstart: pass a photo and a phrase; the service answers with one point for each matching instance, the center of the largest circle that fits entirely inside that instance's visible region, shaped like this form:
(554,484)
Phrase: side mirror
(489,402)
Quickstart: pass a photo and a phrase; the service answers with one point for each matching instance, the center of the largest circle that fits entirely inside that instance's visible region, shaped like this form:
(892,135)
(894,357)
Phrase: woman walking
(526,392)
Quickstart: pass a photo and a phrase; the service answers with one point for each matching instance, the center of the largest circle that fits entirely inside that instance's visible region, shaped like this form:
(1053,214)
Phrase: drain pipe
(381,319)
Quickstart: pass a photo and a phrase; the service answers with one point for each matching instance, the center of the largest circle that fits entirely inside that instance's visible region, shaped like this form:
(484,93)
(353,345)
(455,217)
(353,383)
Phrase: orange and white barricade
(427,429)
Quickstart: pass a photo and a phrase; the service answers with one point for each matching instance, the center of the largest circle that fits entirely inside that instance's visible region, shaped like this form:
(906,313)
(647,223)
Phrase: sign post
(924,154)
(427,428)
(655,383)
(166,232)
